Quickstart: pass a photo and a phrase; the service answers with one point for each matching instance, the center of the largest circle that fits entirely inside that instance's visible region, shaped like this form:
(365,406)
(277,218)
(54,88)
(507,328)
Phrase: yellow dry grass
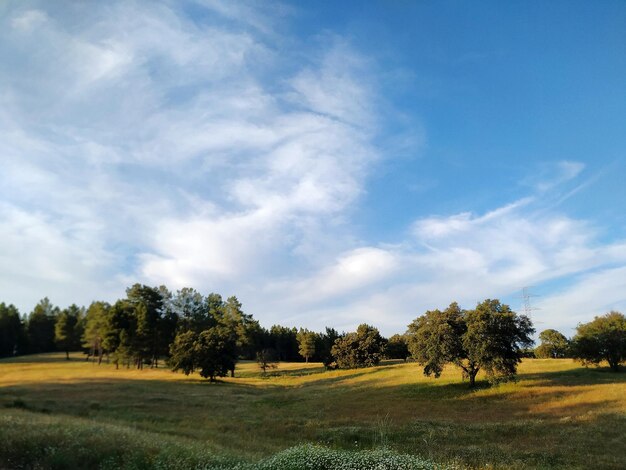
(557,414)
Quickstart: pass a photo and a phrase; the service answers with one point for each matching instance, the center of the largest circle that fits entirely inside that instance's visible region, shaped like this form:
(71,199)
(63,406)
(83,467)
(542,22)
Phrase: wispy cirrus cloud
(165,137)
(468,257)
(199,144)
(553,174)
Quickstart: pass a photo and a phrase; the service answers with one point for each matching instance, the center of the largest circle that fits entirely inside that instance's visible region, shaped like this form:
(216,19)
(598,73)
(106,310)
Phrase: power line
(526,296)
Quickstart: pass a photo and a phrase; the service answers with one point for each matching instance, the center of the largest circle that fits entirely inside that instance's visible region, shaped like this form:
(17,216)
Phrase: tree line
(151,323)
(208,335)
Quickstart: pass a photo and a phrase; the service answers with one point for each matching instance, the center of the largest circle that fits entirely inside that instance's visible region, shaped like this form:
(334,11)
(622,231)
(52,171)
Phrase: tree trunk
(472,378)
(67,355)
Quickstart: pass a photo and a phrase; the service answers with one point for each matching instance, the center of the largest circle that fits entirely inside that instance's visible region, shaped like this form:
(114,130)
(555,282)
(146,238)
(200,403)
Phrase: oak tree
(490,338)
(363,348)
(553,345)
(603,339)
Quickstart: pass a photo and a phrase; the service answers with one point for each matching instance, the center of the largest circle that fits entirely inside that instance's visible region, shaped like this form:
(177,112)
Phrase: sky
(329,163)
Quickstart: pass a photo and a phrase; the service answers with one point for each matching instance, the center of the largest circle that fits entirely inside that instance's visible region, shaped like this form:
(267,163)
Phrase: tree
(214,306)
(167,325)
(40,327)
(490,338)
(12,332)
(285,341)
(397,348)
(120,318)
(362,348)
(94,329)
(266,358)
(68,329)
(145,333)
(256,339)
(148,302)
(553,345)
(325,343)
(245,327)
(215,352)
(306,343)
(435,338)
(182,352)
(124,351)
(603,339)
(192,310)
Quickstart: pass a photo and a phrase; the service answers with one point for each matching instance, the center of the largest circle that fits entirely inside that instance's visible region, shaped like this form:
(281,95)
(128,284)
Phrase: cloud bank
(200,144)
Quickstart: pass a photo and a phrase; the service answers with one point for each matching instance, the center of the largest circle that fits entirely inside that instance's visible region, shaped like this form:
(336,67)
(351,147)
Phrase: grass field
(558,414)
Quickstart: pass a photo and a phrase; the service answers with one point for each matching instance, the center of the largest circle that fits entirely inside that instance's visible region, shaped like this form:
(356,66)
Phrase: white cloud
(264,21)
(166,139)
(351,273)
(140,144)
(44,257)
(467,258)
(553,174)
(436,227)
(570,170)
(207,250)
(29,20)
(329,88)
(592,294)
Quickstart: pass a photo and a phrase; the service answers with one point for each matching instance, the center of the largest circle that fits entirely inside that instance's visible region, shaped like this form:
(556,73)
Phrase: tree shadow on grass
(581,376)
(299,372)
(575,377)
(273,373)
(345,376)
(40,358)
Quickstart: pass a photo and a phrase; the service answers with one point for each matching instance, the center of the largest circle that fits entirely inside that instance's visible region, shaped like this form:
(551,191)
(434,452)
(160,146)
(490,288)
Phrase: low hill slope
(557,415)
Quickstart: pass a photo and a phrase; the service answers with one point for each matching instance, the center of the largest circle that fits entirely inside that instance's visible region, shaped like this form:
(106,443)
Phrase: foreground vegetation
(62,443)
(557,415)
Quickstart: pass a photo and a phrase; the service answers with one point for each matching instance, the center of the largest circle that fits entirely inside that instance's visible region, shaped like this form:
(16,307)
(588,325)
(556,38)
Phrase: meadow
(64,414)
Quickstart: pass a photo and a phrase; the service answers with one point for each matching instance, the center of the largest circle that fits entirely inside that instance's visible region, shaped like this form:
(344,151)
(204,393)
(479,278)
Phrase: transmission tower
(526,295)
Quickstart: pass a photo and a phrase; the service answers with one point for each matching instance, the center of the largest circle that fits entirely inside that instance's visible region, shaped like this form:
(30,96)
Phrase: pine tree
(306,343)
(68,329)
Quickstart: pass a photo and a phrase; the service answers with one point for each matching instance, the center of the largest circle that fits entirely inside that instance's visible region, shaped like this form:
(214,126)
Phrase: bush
(313,457)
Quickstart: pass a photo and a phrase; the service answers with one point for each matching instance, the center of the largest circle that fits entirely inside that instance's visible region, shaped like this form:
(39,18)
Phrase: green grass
(558,415)
(28,440)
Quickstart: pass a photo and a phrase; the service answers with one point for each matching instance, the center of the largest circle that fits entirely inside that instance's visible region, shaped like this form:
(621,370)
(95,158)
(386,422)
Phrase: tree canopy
(397,348)
(603,339)
(216,352)
(182,354)
(40,327)
(68,329)
(489,338)
(306,343)
(12,334)
(553,345)
(362,348)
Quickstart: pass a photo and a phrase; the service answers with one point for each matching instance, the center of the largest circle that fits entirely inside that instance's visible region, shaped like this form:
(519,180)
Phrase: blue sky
(329,163)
